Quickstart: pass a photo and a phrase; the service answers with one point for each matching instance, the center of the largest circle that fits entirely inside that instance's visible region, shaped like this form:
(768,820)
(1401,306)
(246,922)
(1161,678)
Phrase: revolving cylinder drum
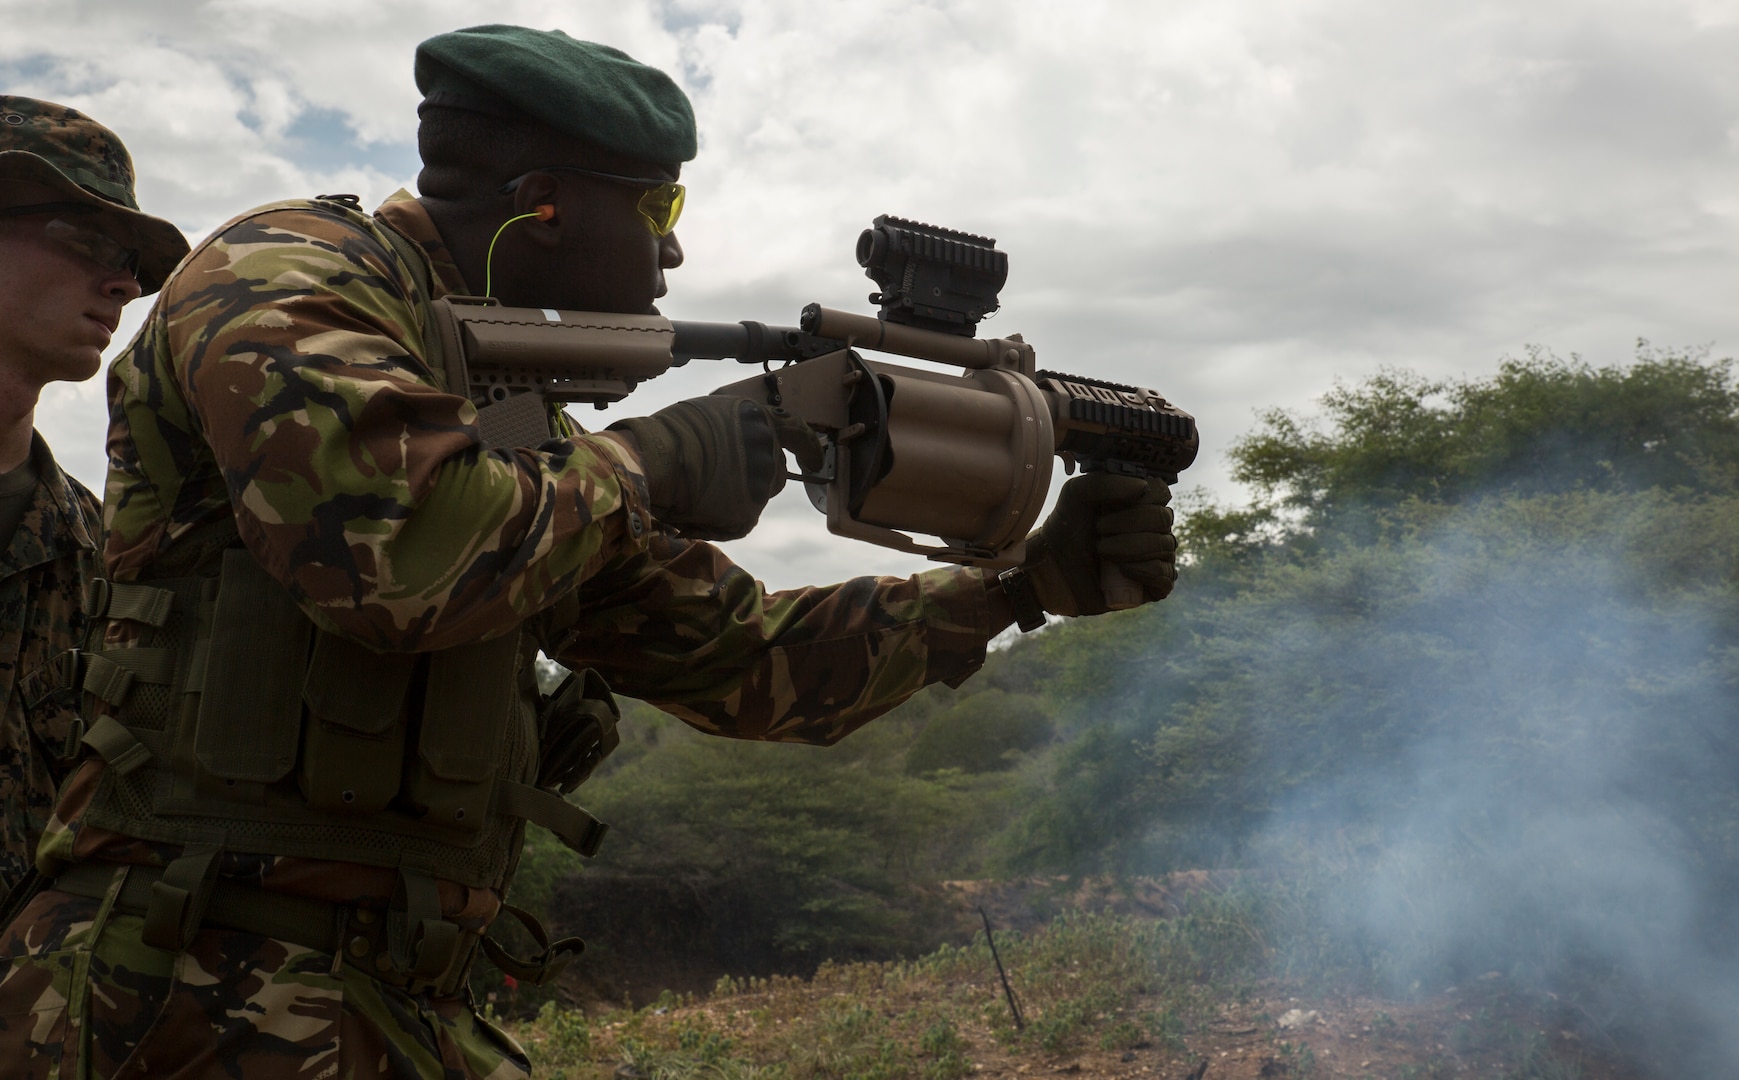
(966,458)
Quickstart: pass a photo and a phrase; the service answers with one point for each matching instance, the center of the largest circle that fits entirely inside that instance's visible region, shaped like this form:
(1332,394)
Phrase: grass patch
(1087,981)
(1102,989)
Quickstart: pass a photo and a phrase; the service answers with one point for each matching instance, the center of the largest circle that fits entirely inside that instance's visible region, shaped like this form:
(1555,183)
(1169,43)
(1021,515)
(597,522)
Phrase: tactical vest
(233,723)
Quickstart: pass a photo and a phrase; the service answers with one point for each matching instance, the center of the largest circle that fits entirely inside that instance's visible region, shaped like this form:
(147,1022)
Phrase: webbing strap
(126,600)
(141,603)
(111,673)
(117,746)
(94,597)
(299,920)
(548,963)
(178,898)
(576,828)
(422,944)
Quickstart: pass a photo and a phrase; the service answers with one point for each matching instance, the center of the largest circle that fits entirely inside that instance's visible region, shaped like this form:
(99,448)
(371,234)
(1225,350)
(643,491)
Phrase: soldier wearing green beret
(314,734)
(74,250)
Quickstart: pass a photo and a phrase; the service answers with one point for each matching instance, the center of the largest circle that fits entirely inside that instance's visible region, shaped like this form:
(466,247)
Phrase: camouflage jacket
(40,620)
(278,390)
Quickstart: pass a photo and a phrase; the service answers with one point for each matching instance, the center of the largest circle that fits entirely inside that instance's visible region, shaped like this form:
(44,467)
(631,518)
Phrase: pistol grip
(1121,592)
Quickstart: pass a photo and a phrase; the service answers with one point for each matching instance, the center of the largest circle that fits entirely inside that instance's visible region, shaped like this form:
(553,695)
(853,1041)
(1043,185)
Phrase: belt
(358,935)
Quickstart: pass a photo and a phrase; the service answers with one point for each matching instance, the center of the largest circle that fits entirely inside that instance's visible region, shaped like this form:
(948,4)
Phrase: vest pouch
(577,730)
(471,700)
(353,742)
(250,714)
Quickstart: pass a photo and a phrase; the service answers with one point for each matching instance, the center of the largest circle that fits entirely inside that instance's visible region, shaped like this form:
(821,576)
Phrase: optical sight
(931,277)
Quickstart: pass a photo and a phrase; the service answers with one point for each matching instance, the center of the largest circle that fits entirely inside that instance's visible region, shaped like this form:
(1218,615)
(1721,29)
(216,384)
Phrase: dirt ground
(1479,1032)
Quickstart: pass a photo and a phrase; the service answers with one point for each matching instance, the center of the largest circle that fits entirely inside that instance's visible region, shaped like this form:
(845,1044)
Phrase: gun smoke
(1502,742)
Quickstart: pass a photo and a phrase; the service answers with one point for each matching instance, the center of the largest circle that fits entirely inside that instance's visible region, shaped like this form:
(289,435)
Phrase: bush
(983,733)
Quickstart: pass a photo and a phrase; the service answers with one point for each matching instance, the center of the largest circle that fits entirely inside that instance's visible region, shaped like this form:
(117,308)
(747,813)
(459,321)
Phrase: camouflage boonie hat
(84,161)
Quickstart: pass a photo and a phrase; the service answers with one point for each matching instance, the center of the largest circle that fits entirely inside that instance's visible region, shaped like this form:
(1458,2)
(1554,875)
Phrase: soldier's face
(606,257)
(58,308)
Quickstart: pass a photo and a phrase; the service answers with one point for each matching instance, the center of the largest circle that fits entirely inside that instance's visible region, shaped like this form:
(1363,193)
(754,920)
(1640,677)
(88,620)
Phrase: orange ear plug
(545,211)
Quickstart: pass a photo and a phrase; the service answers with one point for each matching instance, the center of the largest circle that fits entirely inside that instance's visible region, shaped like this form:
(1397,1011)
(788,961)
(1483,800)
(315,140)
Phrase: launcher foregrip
(1118,428)
(1109,426)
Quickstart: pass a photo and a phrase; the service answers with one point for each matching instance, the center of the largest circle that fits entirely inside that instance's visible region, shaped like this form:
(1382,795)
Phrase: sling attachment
(124,600)
(574,827)
(423,946)
(119,748)
(178,898)
(549,961)
(110,674)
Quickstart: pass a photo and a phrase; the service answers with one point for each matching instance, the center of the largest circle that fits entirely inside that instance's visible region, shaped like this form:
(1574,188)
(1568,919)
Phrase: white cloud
(1234,202)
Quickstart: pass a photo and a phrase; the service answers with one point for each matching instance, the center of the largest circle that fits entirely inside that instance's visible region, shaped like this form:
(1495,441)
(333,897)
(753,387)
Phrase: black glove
(713,462)
(1103,520)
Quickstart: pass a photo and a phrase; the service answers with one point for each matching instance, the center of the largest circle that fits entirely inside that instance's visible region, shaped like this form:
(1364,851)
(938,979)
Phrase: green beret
(589,91)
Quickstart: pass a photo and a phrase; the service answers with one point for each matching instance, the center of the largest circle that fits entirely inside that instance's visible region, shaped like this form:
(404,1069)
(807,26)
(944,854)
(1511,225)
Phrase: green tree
(1540,425)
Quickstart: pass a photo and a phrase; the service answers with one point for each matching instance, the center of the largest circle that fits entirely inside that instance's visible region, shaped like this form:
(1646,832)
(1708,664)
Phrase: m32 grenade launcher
(960,457)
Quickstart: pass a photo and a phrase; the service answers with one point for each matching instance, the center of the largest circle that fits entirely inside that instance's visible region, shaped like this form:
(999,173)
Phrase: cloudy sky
(1234,202)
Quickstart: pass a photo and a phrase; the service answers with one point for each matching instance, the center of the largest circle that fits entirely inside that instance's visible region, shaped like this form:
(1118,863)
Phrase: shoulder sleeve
(684,628)
(354,479)
(89,509)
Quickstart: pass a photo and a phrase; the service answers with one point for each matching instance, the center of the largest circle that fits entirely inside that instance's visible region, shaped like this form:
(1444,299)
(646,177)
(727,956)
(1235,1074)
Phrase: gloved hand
(713,462)
(1100,520)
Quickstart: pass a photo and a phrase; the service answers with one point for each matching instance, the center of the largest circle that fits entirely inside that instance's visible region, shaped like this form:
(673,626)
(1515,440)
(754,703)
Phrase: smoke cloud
(1503,742)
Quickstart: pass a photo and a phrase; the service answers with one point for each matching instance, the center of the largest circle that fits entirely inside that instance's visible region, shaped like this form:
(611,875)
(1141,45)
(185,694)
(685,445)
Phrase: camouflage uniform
(279,392)
(88,171)
(40,621)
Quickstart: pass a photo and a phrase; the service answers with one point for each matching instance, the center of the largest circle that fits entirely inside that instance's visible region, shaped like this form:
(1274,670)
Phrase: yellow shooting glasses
(661,204)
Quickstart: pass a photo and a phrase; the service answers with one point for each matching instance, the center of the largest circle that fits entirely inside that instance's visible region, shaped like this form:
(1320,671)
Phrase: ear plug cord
(544,212)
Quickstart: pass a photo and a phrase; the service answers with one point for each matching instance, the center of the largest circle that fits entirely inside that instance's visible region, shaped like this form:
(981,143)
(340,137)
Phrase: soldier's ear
(538,193)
